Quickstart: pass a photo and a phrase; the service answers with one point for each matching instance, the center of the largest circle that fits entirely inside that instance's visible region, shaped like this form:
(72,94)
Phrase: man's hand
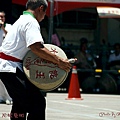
(65,65)
(1,23)
(2,26)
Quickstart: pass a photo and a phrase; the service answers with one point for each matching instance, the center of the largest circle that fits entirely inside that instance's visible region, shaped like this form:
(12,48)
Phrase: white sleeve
(110,58)
(33,34)
(8,27)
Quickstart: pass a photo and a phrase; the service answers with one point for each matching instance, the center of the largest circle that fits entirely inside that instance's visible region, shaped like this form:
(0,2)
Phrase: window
(76,19)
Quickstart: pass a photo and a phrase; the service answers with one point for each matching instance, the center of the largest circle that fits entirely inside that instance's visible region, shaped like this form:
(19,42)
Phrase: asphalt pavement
(92,107)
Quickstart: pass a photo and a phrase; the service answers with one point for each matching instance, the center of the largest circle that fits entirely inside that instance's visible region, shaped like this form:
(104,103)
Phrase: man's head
(39,7)
(83,47)
(117,48)
(83,44)
(2,16)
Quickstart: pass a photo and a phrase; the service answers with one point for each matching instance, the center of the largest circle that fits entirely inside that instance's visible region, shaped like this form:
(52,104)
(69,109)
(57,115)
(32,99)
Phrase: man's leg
(26,97)
(17,92)
(36,103)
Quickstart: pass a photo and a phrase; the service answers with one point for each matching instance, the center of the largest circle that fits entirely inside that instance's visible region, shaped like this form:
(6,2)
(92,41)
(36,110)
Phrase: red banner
(66,5)
(20,2)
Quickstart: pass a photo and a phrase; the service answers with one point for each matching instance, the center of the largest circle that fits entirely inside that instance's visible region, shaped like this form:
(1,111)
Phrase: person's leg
(17,92)
(4,94)
(35,101)
(26,97)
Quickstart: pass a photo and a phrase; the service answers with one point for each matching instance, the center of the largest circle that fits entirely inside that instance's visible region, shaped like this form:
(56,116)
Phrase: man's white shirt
(24,32)
(113,57)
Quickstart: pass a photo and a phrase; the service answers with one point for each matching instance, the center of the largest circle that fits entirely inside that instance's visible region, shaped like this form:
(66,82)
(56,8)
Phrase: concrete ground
(92,107)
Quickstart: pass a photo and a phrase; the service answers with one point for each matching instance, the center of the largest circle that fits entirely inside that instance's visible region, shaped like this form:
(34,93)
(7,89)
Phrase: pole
(51,21)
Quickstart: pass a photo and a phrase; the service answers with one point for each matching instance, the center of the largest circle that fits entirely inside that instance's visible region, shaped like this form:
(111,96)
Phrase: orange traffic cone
(74,89)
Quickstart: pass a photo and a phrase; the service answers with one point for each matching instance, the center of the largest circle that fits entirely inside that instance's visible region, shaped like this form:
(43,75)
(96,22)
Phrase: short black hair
(1,11)
(83,40)
(116,44)
(33,4)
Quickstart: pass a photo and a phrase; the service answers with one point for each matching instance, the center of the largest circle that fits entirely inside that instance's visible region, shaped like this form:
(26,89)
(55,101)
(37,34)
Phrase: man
(4,96)
(84,61)
(114,58)
(116,55)
(25,35)
(4,27)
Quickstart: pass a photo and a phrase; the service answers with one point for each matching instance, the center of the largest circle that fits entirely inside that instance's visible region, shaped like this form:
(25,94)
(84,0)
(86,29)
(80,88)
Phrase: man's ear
(41,7)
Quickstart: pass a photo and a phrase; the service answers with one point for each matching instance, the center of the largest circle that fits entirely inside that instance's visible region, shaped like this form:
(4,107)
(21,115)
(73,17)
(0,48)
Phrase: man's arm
(43,52)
